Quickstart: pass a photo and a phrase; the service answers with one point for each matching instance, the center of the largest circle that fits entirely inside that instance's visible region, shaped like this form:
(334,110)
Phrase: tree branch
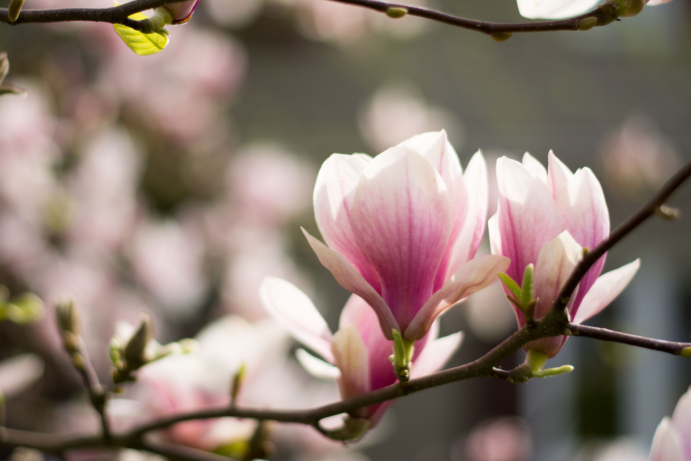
(604,334)
(114,15)
(603,15)
(645,212)
(96,392)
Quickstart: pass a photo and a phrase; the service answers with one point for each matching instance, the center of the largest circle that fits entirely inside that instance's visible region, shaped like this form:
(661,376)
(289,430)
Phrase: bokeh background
(172,184)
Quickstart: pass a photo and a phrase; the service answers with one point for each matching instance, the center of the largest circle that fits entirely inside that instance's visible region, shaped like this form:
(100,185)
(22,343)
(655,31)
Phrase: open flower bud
(402,230)
(547,218)
(182,11)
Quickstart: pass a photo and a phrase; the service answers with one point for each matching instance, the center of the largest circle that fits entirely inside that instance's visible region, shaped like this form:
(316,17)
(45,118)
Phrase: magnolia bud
(396,12)
(14,9)
(182,11)
(135,350)
(68,317)
(632,8)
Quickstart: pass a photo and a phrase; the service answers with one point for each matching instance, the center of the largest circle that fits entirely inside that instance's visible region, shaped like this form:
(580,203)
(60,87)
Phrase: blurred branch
(97,394)
(601,16)
(554,323)
(114,15)
(603,334)
(649,209)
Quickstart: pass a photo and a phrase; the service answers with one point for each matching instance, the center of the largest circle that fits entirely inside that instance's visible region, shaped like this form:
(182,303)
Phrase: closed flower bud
(135,350)
(68,317)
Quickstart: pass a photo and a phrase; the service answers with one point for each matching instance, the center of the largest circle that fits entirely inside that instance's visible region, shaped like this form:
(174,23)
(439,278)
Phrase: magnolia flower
(182,12)
(402,230)
(357,354)
(554,9)
(672,438)
(545,219)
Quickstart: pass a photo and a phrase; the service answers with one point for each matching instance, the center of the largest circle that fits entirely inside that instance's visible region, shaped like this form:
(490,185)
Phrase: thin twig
(624,229)
(97,394)
(633,340)
(603,15)
(113,15)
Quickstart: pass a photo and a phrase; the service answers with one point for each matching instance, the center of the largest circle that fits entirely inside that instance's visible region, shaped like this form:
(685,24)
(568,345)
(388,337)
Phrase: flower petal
(666,445)
(583,212)
(535,167)
(351,357)
(349,278)
(476,180)
(527,215)
(556,262)
(606,288)
(437,150)
(435,354)
(682,420)
(333,198)
(294,310)
(494,235)
(317,367)
(473,276)
(402,217)
(554,9)
(558,174)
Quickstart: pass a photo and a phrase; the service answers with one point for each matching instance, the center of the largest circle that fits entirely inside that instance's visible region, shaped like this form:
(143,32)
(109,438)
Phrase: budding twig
(601,16)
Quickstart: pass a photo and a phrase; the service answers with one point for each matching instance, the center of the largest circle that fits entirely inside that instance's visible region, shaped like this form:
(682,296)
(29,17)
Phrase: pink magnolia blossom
(357,354)
(402,230)
(182,12)
(545,218)
(672,438)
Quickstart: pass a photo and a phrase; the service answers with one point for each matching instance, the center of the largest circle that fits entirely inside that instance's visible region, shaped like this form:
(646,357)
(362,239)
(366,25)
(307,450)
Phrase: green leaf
(141,43)
(510,284)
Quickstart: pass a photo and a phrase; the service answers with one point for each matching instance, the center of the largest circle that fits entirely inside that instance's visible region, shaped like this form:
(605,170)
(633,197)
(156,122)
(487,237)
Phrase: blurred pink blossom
(501,439)
(637,159)
(167,259)
(545,218)
(672,438)
(398,112)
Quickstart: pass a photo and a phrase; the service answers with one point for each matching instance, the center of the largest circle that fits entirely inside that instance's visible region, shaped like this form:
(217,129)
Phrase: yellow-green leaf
(140,43)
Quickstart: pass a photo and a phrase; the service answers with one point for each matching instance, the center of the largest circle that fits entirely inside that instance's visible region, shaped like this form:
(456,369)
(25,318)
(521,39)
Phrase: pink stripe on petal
(402,218)
(527,215)
(333,198)
(349,278)
(473,276)
(583,212)
(437,150)
(606,288)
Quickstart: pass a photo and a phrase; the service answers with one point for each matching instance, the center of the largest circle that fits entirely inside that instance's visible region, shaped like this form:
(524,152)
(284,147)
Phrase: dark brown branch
(114,15)
(604,334)
(624,229)
(603,15)
(96,392)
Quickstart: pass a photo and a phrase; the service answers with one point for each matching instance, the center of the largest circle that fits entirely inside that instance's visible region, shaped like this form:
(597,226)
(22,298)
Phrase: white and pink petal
(295,311)
(436,354)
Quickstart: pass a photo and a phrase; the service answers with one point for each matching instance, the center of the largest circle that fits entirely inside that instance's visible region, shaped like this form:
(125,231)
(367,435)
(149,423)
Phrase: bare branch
(601,16)
(115,15)
(604,334)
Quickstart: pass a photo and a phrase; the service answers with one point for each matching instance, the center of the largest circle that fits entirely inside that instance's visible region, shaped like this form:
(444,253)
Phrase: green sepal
(527,286)
(511,285)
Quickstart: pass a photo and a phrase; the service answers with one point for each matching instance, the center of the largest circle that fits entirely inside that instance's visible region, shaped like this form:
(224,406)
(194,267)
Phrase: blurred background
(172,184)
